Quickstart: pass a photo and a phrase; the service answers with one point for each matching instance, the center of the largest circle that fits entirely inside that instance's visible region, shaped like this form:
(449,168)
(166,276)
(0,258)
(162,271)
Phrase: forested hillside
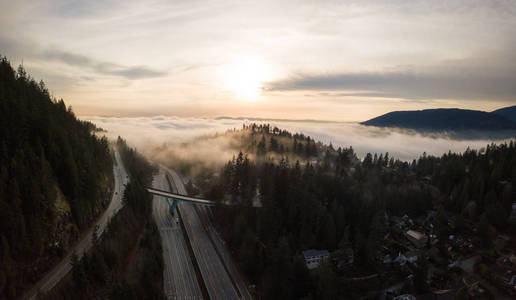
(126,261)
(444,119)
(331,200)
(204,154)
(55,178)
(508,112)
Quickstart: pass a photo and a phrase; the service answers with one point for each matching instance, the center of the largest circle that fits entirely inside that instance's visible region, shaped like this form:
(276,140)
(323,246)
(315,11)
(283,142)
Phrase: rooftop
(416,234)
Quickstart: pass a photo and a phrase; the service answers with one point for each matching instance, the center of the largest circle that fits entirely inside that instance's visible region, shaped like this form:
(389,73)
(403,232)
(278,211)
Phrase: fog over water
(147,133)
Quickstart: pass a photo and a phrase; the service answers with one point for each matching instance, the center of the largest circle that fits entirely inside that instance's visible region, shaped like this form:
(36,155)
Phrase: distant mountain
(507,112)
(443,119)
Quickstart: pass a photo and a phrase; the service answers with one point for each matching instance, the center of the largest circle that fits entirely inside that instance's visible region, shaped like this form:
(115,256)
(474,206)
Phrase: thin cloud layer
(32,51)
(491,76)
(98,67)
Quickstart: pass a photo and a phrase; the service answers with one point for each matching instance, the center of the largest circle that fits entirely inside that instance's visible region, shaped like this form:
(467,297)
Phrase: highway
(179,278)
(216,279)
(223,252)
(64,266)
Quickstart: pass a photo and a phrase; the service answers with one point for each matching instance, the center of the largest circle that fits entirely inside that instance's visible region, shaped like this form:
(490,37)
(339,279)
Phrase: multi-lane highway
(179,278)
(216,279)
(64,266)
(223,252)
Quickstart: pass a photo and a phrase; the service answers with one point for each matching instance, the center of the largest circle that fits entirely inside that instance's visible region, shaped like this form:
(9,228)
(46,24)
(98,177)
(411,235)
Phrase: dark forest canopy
(332,200)
(126,261)
(508,112)
(55,178)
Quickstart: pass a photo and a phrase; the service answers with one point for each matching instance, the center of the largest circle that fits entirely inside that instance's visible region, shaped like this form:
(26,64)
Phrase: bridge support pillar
(173,206)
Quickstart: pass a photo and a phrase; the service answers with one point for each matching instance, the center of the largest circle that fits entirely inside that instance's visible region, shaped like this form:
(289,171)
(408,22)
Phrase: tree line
(126,262)
(340,201)
(55,178)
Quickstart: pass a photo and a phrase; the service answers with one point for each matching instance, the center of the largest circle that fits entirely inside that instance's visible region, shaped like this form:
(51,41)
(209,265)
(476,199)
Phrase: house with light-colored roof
(314,258)
(417,238)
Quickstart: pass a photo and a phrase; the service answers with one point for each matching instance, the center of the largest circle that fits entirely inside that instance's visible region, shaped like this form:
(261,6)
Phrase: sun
(244,77)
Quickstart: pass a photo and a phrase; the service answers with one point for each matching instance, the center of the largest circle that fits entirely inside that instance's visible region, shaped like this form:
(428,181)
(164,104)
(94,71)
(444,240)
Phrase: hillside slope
(55,178)
(443,119)
(507,112)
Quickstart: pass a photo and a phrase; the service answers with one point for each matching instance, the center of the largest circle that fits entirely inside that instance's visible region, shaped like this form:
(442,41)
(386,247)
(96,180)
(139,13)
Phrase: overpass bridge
(173,199)
(218,272)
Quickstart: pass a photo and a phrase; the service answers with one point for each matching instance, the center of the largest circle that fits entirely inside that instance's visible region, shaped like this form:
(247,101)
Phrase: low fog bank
(176,142)
(403,144)
(149,134)
(146,133)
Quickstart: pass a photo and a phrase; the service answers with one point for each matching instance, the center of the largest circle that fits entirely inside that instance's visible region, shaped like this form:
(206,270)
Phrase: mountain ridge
(443,119)
(507,112)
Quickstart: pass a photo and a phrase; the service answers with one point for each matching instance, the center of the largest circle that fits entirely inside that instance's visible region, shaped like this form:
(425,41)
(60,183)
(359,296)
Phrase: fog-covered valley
(149,133)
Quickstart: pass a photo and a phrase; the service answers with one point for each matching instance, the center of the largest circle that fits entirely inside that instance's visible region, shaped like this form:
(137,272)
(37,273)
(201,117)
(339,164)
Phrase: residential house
(418,239)
(314,258)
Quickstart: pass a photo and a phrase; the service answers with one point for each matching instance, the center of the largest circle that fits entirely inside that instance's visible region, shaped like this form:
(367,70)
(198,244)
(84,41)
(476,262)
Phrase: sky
(322,60)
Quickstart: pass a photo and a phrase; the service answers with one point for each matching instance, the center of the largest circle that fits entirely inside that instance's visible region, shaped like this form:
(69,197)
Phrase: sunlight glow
(244,76)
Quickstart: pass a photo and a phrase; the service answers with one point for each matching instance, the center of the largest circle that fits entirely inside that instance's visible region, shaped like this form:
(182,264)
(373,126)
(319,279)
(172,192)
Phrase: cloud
(149,132)
(67,57)
(136,72)
(334,46)
(165,133)
(33,50)
(103,68)
(487,77)
(405,145)
(81,9)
